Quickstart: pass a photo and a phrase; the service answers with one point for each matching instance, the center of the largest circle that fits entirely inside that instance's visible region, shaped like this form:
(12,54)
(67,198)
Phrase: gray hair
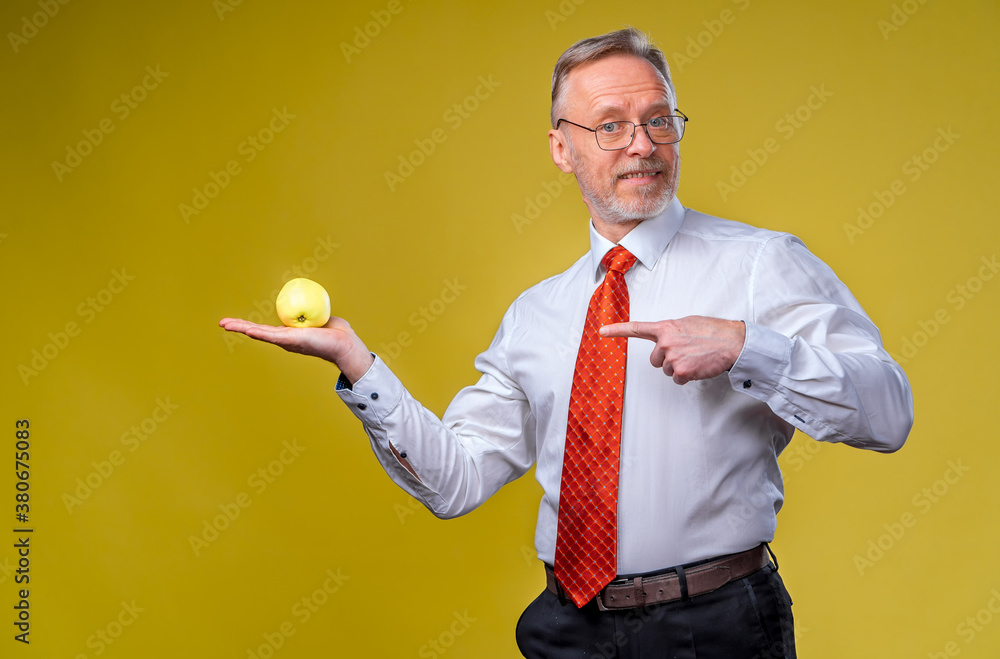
(628,41)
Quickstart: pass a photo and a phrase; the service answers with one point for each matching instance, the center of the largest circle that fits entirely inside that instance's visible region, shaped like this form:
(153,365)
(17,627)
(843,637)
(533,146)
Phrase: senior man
(654,383)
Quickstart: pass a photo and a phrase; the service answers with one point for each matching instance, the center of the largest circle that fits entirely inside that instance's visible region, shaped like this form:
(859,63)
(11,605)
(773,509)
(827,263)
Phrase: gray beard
(613,209)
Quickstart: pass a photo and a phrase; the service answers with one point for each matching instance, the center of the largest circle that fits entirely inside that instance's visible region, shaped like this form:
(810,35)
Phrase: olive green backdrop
(167,164)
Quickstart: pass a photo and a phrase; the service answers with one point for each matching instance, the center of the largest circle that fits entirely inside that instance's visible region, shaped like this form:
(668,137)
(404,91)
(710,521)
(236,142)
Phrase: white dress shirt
(699,473)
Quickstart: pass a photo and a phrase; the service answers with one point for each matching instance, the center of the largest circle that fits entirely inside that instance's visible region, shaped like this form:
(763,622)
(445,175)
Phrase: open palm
(335,342)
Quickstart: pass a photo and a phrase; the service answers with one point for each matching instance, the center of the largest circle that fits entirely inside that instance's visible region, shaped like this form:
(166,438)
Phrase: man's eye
(612,127)
(658,122)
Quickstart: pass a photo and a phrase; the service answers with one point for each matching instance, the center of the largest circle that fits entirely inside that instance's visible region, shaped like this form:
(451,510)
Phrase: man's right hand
(335,342)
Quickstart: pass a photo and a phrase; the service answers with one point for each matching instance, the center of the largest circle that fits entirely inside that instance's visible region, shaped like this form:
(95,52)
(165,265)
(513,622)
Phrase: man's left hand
(690,348)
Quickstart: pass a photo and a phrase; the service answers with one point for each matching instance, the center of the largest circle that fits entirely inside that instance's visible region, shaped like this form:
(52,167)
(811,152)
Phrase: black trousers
(746,619)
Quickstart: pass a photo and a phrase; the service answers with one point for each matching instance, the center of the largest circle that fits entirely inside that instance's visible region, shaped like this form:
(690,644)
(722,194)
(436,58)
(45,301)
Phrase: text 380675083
(22,536)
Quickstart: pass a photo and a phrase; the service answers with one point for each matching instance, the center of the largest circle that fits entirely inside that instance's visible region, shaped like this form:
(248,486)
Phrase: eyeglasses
(616,135)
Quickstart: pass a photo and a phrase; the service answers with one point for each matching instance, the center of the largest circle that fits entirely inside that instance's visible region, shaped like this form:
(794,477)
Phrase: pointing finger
(631,329)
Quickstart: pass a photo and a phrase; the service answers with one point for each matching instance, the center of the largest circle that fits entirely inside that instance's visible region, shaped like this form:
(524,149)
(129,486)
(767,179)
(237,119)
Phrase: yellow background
(316,198)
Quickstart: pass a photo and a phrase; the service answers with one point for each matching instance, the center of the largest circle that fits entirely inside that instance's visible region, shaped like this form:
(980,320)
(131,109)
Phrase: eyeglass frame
(679,115)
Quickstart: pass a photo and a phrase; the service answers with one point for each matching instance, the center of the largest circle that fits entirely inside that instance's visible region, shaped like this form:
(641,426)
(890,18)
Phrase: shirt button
(747,384)
(362,406)
(403,455)
(374,396)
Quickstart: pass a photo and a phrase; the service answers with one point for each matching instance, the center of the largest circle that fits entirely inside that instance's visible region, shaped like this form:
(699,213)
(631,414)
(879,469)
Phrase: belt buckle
(603,593)
(639,599)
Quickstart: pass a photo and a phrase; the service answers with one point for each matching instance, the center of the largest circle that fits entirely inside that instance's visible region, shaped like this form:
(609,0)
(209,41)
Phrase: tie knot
(618,259)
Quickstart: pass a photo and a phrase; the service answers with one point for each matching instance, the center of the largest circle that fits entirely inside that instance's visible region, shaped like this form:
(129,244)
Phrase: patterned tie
(587,538)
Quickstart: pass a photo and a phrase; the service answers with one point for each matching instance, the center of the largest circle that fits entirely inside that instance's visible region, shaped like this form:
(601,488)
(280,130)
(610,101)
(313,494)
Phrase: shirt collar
(646,241)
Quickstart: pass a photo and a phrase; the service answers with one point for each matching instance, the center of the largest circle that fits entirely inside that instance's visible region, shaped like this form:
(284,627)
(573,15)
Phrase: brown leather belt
(675,584)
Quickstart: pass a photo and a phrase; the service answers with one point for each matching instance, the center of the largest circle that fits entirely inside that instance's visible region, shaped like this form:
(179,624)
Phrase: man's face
(626,186)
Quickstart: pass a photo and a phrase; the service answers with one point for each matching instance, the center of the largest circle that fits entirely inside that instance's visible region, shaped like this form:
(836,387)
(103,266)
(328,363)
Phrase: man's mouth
(643,174)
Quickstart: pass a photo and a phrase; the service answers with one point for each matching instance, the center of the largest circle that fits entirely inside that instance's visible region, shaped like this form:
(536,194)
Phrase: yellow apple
(303,303)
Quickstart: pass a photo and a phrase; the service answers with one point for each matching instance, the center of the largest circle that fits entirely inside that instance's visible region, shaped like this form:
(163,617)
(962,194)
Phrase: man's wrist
(353,370)
(740,328)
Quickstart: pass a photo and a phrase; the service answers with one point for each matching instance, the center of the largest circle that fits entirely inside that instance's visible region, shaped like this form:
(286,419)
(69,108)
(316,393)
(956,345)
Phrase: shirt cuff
(763,359)
(374,396)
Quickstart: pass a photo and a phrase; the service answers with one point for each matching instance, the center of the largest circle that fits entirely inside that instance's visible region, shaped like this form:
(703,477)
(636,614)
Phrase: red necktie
(587,538)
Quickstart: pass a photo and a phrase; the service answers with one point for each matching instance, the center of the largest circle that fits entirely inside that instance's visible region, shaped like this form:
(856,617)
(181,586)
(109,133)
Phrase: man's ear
(560,150)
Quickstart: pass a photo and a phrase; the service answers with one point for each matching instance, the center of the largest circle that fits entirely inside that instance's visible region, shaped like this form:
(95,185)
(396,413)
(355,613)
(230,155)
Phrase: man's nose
(641,145)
